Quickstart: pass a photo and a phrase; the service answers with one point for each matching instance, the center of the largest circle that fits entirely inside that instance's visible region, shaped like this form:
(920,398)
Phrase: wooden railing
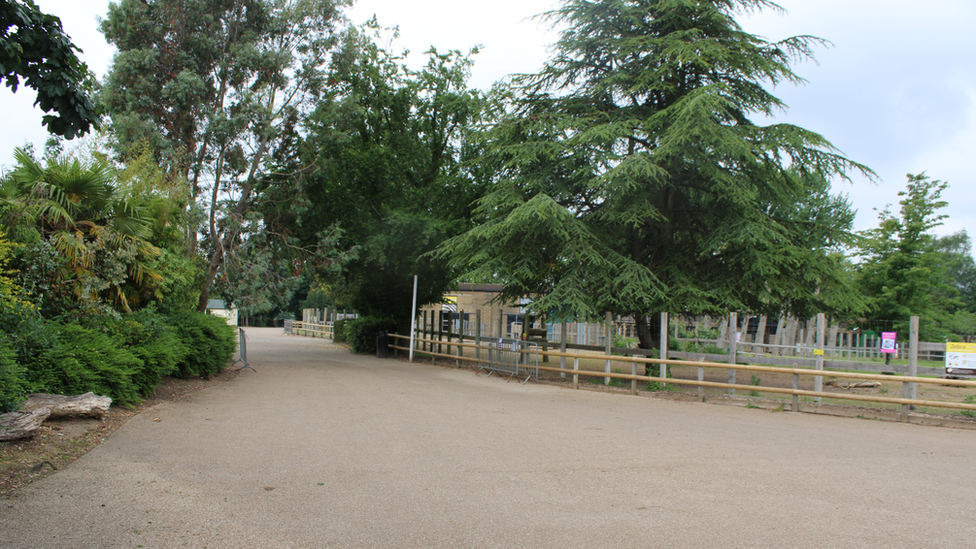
(310,329)
(455,352)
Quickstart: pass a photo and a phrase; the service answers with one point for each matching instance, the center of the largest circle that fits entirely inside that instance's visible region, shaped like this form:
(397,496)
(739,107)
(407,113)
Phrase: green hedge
(13,386)
(339,332)
(362,333)
(210,342)
(123,357)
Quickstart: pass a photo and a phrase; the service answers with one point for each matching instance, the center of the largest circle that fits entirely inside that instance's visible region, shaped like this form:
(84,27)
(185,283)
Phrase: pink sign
(888,342)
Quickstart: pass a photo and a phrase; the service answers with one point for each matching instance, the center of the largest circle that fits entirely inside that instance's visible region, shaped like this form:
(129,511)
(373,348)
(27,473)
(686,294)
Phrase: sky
(895,90)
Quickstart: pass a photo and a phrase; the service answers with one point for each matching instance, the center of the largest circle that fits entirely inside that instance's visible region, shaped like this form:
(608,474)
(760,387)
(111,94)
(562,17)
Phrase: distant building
(460,306)
(219,308)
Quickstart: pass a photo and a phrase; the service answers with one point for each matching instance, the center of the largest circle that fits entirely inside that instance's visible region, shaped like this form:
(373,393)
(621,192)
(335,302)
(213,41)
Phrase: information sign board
(960,358)
(888,342)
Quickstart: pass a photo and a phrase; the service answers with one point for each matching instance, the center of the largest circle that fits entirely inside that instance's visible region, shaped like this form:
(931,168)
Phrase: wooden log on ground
(87,404)
(21,425)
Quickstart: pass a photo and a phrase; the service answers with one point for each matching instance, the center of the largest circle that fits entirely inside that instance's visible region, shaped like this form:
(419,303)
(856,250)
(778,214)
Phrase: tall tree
(634,180)
(385,153)
(904,267)
(218,87)
(33,46)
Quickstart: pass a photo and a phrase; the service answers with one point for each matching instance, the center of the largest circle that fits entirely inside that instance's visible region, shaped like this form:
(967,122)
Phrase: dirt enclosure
(321,448)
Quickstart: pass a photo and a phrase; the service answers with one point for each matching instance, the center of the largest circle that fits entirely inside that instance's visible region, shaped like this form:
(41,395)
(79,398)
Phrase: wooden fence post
(575,372)
(819,352)
(910,389)
(608,330)
(796,385)
(733,340)
(663,351)
(477,335)
(701,377)
(563,339)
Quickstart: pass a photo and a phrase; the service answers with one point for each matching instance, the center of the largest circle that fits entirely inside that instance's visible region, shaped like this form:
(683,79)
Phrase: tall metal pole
(413,317)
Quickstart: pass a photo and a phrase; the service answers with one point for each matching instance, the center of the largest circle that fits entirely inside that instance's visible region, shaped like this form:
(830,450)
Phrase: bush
(70,359)
(362,332)
(209,340)
(149,337)
(13,386)
(339,332)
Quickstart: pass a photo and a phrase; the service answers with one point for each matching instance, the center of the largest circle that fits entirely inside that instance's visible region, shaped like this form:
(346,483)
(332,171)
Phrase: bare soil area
(59,442)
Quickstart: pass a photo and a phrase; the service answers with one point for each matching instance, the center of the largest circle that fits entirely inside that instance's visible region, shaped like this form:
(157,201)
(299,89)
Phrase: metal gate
(513,357)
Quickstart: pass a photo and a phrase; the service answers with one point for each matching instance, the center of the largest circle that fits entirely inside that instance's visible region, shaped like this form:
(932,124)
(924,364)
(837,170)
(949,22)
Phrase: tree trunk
(21,425)
(647,339)
(87,404)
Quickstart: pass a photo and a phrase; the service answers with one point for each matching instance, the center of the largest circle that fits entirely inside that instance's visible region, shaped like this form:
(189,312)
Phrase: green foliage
(340,333)
(903,270)
(146,335)
(71,359)
(209,340)
(91,238)
(362,333)
(13,385)
(103,366)
(632,179)
(755,381)
(218,90)
(39,51)
(379,282)
(969,399)
(10,291)
(387,146)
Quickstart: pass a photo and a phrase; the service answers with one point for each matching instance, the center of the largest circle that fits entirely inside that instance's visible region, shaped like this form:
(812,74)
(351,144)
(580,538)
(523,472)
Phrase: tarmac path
(321,448)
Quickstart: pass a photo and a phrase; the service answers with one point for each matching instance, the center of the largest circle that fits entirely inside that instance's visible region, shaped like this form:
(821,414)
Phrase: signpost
(888,342)
(960,358)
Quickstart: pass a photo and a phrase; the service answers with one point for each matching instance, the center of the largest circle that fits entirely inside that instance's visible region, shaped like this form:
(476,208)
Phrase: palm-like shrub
(99,238)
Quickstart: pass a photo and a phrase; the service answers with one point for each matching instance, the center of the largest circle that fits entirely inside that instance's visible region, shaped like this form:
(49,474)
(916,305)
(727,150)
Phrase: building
(217,307)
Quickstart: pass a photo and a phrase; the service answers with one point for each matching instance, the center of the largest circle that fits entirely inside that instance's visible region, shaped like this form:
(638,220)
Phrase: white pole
(413,316)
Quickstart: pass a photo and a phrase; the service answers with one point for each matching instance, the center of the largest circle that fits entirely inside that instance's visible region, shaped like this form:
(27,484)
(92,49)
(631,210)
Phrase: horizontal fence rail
(532,355)
(454,352)
(308,329)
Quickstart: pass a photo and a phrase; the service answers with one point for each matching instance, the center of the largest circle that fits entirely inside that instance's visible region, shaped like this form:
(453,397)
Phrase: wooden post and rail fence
(449,345)
(907,401)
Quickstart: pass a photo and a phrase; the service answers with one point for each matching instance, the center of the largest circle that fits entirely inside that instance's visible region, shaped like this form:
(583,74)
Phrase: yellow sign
(960,358)
(961,347)
(818,352)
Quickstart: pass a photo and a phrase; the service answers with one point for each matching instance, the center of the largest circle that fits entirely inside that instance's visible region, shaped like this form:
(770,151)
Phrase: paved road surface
(320,448)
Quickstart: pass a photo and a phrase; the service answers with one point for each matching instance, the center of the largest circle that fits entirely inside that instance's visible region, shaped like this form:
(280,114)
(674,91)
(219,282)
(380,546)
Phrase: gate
(510,356)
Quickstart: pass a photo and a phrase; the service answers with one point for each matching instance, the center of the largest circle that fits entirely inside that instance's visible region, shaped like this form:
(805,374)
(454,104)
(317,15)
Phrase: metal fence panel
(510,356)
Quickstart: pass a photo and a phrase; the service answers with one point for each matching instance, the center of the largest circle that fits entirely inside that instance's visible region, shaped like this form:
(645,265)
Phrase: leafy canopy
(632,178)
(33,46)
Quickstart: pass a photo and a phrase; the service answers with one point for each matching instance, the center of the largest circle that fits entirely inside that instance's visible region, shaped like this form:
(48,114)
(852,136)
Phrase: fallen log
(21,425)
(87,404)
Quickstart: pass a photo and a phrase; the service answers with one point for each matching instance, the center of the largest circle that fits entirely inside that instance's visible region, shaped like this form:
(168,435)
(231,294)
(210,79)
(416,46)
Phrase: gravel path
(321,448)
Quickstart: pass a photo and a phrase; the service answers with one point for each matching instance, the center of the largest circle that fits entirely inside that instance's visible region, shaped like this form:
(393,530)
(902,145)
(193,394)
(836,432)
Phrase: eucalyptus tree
(218,87)
(634,179)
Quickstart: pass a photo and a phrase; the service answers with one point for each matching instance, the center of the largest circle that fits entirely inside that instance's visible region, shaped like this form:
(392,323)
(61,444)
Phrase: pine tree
(635,181)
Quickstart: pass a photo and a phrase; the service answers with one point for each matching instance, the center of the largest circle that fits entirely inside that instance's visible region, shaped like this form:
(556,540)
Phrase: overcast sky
(896,91)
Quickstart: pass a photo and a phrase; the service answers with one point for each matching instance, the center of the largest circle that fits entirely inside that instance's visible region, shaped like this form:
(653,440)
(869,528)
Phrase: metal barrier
(510,356)
(288,326)
(242,338)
